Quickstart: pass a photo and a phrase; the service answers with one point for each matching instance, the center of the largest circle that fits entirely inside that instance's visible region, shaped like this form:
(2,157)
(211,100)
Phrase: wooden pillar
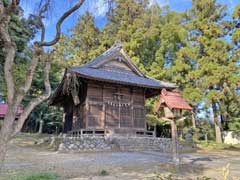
(119,108)
(103,116)
(155,130)
(103,110)
(131,107)
(174,141)
(87,113)
(193,120)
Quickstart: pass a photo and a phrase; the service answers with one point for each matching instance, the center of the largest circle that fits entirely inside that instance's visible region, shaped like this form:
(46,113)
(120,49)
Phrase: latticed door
(139,108)
(125,116)
(112,115)
(118,108)
(95,113)
(125,108)
(139,117)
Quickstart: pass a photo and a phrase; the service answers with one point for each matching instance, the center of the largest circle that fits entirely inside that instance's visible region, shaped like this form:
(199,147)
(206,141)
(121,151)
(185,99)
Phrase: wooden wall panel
(94,116)
(138,97)
(114,106)
(95,93)
(111,116)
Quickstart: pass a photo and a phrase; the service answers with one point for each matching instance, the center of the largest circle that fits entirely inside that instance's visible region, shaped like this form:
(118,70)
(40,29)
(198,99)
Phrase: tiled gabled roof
(173,100)
(93,70)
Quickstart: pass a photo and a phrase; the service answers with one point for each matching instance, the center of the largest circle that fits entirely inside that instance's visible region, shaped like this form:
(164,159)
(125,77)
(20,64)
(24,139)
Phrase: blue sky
(98,9)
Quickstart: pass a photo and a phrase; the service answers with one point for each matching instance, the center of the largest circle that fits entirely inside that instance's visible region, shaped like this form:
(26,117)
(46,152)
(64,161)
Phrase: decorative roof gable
(115,58)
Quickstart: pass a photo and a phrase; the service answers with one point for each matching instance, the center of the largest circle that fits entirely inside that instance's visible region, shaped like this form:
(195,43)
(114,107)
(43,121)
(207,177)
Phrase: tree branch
(31,70)
(10,50)
(42,10)
(36,101)
(59,23)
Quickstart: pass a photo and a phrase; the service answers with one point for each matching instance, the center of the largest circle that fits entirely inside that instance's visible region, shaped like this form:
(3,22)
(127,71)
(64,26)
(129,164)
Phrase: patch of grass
(37,176)
(104,173)
(211,145)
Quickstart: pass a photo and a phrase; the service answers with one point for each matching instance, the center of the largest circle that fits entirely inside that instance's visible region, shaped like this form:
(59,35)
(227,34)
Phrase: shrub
(38,176)
(104,173)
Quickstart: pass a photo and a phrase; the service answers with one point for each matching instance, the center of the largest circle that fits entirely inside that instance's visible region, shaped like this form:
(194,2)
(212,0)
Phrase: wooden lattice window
(125,117)
(139,117)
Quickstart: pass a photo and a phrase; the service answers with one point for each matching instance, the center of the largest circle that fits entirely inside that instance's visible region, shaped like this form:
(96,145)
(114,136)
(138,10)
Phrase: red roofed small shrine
(173,100)
(172,103)
(4,108)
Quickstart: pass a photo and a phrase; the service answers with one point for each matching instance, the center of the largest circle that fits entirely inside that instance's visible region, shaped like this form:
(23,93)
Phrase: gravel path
(119,165)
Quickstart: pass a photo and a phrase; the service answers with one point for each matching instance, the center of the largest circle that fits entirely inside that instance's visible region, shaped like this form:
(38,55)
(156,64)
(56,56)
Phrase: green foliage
(234,124)
(204,130)
(38,176)
(81,46)
(51,116)
(21,30)
(104,173)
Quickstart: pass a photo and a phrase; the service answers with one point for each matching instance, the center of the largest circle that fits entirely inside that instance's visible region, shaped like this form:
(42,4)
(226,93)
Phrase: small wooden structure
(172,104)
(106,95)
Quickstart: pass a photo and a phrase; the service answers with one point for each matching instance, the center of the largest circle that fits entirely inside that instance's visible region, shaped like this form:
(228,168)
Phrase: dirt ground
(26,158)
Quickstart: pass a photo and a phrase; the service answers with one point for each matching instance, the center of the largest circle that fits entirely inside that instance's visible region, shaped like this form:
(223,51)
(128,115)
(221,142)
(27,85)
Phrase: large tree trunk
(16,94)
(217,124)
(9,52)
(5,133)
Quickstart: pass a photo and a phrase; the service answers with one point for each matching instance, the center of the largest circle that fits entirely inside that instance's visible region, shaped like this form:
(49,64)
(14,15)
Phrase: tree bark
(14,98)
(10,50)
(34,102)
(217,124)
(5,133)
(40,126)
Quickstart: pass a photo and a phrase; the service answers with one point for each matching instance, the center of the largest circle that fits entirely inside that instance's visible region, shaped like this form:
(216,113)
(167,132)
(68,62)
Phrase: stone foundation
(118,143)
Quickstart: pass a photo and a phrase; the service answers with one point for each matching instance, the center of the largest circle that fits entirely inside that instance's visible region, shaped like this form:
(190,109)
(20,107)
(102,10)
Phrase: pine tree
(210,67)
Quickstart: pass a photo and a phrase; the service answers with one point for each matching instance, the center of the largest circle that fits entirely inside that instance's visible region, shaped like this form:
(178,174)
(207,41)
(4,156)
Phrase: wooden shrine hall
(106,94)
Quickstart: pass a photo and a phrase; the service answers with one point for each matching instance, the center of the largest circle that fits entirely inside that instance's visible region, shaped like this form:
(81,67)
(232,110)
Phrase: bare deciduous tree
(16,95)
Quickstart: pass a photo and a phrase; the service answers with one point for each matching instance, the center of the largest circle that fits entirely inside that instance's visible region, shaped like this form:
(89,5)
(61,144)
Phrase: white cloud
(98,7)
